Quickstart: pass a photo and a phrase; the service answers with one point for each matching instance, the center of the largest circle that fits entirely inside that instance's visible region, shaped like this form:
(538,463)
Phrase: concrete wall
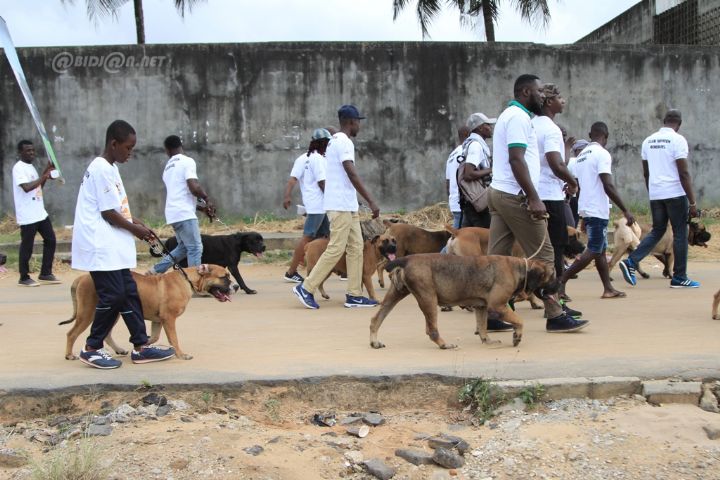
(633,26)
(246,111)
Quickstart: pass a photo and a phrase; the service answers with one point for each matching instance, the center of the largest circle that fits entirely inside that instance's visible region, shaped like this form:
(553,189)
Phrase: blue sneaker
(627,267)
(359,302)
(687,283)
(149,354)
(305,297)
(99,359)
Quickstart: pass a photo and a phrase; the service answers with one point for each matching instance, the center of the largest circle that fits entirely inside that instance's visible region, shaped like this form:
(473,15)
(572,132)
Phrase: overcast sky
(53,23)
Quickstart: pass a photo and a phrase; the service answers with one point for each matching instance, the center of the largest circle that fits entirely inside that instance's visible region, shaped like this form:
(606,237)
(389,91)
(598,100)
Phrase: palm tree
(108,8)
(534,12)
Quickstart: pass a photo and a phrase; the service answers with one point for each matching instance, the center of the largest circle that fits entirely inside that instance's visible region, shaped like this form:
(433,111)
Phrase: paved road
(655,332)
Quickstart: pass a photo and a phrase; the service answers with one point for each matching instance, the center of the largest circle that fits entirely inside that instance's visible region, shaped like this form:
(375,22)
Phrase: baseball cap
(550,90)
(321,133)
(477,119)
(349,111)
(580,144)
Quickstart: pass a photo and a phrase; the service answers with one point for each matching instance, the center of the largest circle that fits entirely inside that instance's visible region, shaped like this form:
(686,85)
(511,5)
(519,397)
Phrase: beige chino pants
(345,237)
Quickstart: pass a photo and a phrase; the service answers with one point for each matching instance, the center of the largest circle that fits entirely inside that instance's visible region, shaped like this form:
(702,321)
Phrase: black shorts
(557,223)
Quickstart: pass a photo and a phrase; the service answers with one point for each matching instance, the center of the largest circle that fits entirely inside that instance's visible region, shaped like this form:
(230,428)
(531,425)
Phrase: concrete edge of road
(673,390)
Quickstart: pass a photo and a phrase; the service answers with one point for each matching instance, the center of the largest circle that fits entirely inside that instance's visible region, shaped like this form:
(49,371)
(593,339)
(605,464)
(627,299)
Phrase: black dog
(225,250)
(3,259)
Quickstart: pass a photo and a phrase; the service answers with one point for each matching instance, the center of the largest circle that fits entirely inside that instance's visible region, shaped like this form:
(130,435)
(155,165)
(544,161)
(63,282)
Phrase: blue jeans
(675,210)
(457,216)
(597,234)
(189,245)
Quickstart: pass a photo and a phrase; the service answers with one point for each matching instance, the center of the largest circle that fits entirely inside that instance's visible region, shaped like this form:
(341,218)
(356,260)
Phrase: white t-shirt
(97,245)
(451,176)
(593,201)
(514,129)
(309,170)
(29,206)
(340,195)
(661,150)
(180,202)
(478,152)
(549,137)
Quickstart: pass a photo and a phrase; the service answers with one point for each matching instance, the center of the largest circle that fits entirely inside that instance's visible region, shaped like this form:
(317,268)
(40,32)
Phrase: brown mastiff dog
(373,251)
(411,240)
(482,282)
(163,297)
(626,239)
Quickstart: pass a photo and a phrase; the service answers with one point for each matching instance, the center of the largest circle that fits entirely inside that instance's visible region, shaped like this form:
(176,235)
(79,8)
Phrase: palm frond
(97,9)
(426,11)
(186,5)
(399,6)
(533,12)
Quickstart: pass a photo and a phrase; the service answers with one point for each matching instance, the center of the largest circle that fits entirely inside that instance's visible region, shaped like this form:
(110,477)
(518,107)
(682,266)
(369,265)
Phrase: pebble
(354,457)
(374,419)
(99,430)
(10,458)
(255,450)
(378,469)
(713,433)
(448,458)
(416,457)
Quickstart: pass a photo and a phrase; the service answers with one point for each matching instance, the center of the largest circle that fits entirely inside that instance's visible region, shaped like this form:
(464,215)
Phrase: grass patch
(532,395)
(276,257)
(81,462)
(481,397)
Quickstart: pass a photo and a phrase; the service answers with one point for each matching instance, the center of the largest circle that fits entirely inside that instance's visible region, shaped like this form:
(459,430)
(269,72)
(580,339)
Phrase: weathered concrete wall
(246,111)
(633,26)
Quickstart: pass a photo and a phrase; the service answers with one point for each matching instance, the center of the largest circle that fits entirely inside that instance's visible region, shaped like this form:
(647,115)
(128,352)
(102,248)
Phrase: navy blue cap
(349,111)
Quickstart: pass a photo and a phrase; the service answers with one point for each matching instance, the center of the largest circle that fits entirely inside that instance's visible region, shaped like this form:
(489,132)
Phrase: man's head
(579,146)
(173,145)
(673,119)
(554,102)
(120,140)
(481,124)
(528,92)
(319,141)
(599,133)
(463,133)
(26,151)
(349,117)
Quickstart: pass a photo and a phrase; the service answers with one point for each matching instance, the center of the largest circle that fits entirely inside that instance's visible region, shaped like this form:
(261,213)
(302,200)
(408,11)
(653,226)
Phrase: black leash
(158,247)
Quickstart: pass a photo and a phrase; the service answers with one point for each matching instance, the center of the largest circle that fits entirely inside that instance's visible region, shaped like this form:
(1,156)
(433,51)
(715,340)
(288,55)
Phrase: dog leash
(158,247)
(203,204)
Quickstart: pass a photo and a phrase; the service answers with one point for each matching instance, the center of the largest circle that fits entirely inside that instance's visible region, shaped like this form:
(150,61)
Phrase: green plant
(207,398)
(532,394)
(81,462)
(482,397)
(276,256)
(272,406)
(145,384)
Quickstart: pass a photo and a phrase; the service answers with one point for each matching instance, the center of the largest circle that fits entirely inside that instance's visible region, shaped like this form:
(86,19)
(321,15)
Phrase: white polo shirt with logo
(97,245)
(549,137)
(309,170)
(29,206)
(661,151)
(340,195)
(514,129)
(593,201)
(180,203)
(451,168)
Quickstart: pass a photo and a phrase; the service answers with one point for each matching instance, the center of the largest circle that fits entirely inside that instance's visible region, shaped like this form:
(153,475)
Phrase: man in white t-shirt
(30,214)
(183,188)
(342,184)
(309,172)
(103,245)
(665,167)
(555,181)
(593,170)
(517,212)
(477,166)
(451,186)
(576,148)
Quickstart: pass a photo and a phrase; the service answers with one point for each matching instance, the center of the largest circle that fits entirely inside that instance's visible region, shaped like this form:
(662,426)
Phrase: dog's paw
(448,346)
(186,356)
(645,275)
(124,353)
(377,344)
(490,342)
(382,284)
(71,357)
(535,306)
(716,317)
(325,296)
(516,339)
(250,291)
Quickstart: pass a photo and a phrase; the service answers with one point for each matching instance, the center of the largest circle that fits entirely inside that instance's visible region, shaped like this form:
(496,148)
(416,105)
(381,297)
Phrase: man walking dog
(665,168)
(517,212)
(181,182)
(103,245)
(342,185)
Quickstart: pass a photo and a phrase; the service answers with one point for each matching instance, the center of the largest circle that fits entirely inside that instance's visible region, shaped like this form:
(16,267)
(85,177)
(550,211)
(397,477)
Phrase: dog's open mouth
(391,256)
(259,254)
(221,294)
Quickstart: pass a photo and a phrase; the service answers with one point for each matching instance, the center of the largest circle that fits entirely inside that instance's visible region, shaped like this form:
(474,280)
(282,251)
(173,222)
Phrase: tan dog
(716,302)
(473,242)
(163,297)
(626,239)
(373,251)
(486,282)
(411,240)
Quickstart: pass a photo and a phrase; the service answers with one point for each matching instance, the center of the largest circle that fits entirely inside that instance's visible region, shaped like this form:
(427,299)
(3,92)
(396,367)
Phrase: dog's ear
(203,269)
(374,239)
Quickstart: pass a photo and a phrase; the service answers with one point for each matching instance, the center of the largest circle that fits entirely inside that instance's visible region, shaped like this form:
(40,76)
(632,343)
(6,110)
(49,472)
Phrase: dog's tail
(452,231)
(73,295)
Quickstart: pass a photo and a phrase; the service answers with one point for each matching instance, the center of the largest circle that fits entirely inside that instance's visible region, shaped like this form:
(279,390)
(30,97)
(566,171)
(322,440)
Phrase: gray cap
(580,144)
(321,133)
(477,119)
